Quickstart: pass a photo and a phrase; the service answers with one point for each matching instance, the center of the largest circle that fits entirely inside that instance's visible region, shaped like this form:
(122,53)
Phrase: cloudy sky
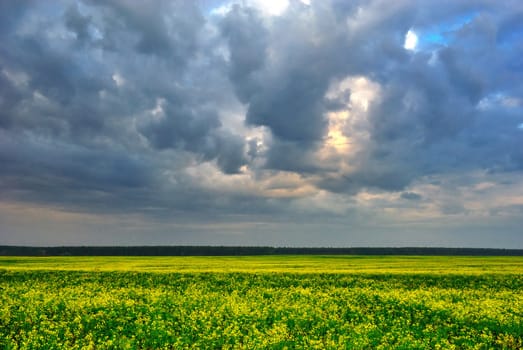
(254,122)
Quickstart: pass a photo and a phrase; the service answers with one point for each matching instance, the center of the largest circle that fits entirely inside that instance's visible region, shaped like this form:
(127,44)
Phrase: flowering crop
(255,309)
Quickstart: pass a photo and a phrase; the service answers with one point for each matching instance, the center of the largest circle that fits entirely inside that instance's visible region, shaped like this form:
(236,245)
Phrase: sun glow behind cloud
(268,7)
(411,40)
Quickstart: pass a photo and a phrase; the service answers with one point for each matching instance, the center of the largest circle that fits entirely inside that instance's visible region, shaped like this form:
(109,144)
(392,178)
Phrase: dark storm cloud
(71,82)
(180,128)
(283,91)
(9,98)
(285,96)
(291,156)
(77,23)
(164,28)
(54,164)
(247,39)
(72,177)
(196,131)
(383,172)
(124,106)
(10,13)
(50,72)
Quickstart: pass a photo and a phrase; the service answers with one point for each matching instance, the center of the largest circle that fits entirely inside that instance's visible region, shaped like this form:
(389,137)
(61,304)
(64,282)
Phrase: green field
(271,302)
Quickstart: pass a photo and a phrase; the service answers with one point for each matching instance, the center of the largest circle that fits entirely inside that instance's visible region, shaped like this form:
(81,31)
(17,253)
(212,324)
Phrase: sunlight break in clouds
(347,127)
(411,40)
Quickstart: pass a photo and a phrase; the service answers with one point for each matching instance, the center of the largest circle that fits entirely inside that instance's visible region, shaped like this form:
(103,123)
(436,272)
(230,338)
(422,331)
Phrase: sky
(329,123)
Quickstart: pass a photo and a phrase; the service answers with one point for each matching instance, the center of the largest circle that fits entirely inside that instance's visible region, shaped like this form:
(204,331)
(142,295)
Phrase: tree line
(242,250)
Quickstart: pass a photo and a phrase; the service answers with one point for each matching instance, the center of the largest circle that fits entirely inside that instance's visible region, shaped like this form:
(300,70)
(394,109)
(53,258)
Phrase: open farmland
(274,302)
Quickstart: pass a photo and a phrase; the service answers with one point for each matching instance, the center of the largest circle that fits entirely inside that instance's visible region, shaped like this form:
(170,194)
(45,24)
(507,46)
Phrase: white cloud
(118,79)
(499,100)
(221,10)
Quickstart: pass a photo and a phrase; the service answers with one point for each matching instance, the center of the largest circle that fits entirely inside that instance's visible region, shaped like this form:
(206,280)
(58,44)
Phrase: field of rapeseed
(261,303)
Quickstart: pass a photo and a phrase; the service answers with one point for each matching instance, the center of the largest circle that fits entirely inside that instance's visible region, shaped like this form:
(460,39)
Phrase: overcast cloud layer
(288,123)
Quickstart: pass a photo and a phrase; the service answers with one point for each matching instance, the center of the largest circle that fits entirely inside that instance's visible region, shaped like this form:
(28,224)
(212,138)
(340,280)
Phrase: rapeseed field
(273,302)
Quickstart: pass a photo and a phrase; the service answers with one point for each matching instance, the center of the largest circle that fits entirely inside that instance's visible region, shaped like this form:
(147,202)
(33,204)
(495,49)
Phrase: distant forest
(235,251)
